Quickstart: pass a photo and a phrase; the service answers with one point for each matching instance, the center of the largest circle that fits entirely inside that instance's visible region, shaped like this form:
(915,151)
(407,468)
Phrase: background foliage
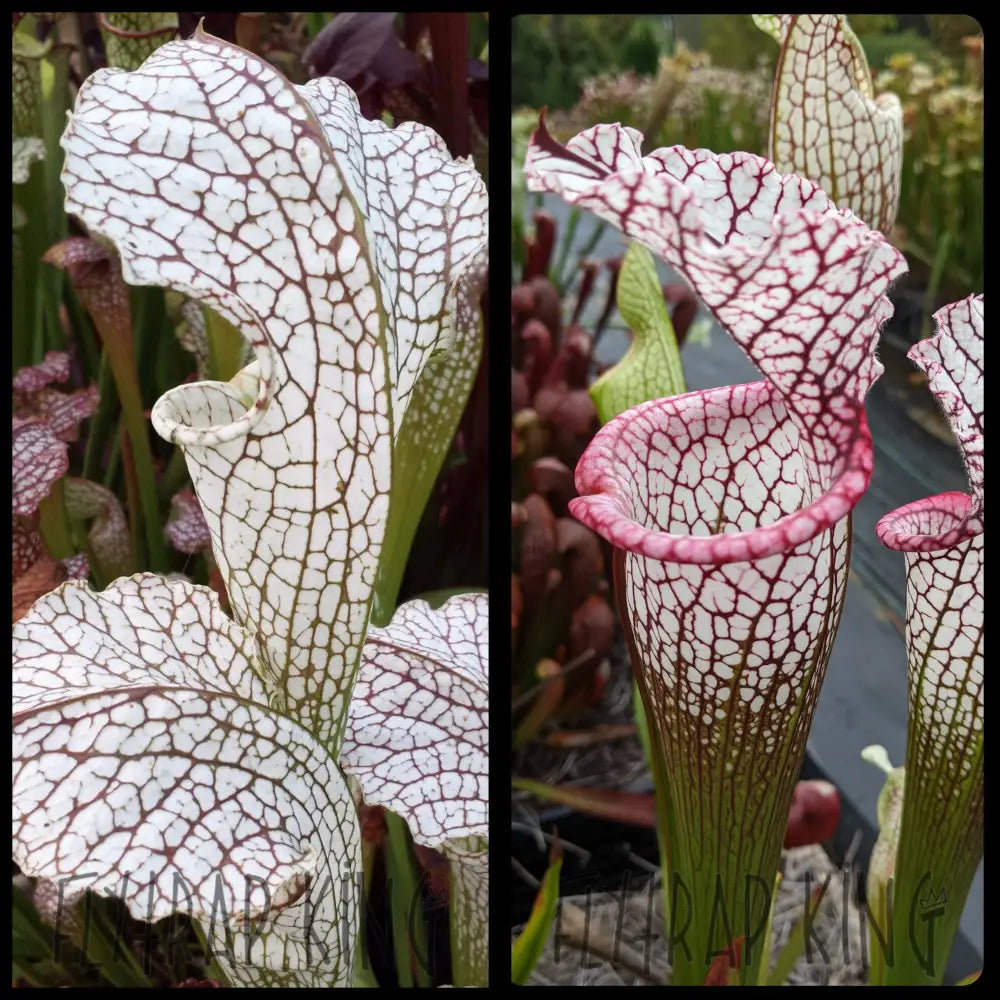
(709,86)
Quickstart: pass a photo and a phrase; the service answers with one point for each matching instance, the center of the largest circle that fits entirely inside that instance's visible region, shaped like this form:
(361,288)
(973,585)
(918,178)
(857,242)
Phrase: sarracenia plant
(827,123)
(163,752)
(940,831)
(728,508)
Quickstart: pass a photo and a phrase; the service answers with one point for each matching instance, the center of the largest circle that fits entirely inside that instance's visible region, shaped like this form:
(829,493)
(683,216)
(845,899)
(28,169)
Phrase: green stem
(934,282)
(940,846)
(80,324)
(175,476)
(101,422)
(661,792)
(726,802)
(469,911)
(212,968)
(565,244)
(937,860)
(409,935)
(110,477)
(136,427)
(54,523)
(132,497)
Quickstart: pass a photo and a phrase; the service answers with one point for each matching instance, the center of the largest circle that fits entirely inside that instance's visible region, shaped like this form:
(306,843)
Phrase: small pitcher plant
(183,760)
(940,832)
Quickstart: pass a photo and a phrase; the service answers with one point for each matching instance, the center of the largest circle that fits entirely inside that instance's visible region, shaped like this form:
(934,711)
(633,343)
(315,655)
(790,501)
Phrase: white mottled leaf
(329,241)
(39,460)
(728,507)
(187,529)
(54,367)
(148,764)
(798,284)
(428,429)
(108,537)
(426,217)
(773,24)
(953,361)
(826,122)
(36,396)
(418,733)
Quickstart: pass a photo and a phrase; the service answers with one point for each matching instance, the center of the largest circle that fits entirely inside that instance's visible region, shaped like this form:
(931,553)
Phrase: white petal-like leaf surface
(827,124)
(54,367)
(953,361)
(798,284)
(942,537)
(147,764)
(418,734)
(426,219)
(331,242)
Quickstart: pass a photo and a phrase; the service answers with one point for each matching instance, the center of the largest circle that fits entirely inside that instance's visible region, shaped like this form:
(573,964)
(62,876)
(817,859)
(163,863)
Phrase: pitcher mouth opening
(717,476)
(202,414)
(930,525)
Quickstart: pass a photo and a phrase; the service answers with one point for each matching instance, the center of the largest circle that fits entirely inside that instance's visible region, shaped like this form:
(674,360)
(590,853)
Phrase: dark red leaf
(582,558)
(519,396)
(547,305)
(46,574)
(539,257)
(590,270)
(592,627)
(571,410)
(538,548)
(536,353)
(435,867)
(363,50)
(373,827)
(39,460)
(554,480)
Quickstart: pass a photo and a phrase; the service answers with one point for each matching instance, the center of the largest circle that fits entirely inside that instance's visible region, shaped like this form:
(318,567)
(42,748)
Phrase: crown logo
(934,901)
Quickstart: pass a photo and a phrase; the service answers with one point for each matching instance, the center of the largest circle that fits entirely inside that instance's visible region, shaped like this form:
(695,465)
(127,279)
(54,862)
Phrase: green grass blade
(527,949)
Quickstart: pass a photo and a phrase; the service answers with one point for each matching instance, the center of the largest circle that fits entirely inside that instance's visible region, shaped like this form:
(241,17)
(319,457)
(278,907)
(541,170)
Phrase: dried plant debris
(608,939)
